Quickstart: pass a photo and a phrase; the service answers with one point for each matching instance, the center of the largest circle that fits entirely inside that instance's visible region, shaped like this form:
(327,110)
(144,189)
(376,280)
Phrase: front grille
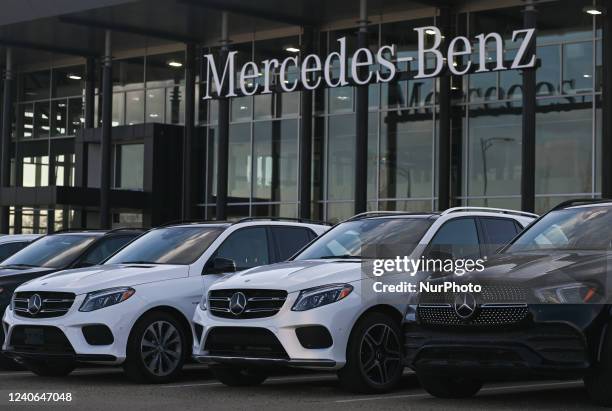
(496,304)
(484,315)
(40,339)
(259,303)
(243,342)
(52,304)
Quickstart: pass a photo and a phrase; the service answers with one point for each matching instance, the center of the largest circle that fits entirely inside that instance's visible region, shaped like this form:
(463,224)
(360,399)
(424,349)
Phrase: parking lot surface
(108,389)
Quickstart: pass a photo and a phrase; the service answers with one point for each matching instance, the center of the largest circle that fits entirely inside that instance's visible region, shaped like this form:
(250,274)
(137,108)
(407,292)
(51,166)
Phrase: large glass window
(129,166)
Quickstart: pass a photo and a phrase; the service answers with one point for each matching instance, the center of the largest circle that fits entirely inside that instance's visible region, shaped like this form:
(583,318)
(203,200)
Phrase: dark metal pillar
(529,117)
(444,121)
(189,131)
(305,184)
(223,144)
(106,143)
(5,137)
(361,120)
(606,96)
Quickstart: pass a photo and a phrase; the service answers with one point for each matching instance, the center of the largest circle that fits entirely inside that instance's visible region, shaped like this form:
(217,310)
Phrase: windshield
(54,251)
(386,237)
(172,245)
(582,228)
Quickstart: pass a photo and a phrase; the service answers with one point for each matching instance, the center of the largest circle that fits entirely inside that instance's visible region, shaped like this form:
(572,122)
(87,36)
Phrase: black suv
(55,252)
(543,310)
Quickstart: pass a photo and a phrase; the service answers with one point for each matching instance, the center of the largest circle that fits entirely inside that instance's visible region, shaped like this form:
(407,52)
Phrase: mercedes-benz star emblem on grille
(238,303)
(465,305)
(34,304)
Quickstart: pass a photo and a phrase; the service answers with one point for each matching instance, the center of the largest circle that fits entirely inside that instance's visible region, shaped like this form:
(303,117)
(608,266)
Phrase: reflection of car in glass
(135,309)
(57,252)
(543,311)
(10,244)
(319,311)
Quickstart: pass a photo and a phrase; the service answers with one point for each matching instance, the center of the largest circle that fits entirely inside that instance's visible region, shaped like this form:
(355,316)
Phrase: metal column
(305,183)
(5,137)
(529,117)
(606,96)
(106,143)
(361,120)
(444,122)
(223,144)
(189,131)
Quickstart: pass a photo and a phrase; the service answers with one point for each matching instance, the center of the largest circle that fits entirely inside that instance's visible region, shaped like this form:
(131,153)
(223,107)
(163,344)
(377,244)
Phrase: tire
(234,376)
(373,356)
(449,387)
(50,368)
(156,349)
(598,381)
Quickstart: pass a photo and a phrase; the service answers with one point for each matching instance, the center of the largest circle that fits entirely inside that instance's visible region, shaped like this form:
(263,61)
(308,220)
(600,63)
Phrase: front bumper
(68,330)
(279,333)
(556,350)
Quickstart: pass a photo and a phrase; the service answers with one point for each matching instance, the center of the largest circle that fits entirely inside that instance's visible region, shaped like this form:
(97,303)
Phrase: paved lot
(107,389)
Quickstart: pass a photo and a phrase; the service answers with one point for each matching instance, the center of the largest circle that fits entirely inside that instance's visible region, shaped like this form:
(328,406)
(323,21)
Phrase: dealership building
(141,112)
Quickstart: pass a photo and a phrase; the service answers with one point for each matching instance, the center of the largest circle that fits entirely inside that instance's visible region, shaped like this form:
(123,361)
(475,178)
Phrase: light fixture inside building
(292,49)
(431,32)
(174,63)
(592,10)
(74,77)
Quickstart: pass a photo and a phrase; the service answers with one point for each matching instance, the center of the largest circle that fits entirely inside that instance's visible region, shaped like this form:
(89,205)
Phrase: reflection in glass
(341,158)
(118,109)
(275,161)
(128,73)
(240,109)
(175,105)
(134,109)
(578,67)
(548,74)
(76,120)
(129,166)
(494,165)
(155,106)
(564,146)
(239,164)
(41,119)
(58,117)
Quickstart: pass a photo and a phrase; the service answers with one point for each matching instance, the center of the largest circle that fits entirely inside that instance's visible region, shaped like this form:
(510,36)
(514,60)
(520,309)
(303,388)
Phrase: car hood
(10,271)
(84,280)
(294,275)
(542,268)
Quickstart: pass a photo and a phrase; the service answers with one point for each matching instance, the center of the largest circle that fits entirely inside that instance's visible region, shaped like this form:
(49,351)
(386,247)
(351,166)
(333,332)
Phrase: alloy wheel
(380,354)
(161,348)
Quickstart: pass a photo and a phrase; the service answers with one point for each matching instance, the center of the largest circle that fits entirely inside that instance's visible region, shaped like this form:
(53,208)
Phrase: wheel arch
(176,313)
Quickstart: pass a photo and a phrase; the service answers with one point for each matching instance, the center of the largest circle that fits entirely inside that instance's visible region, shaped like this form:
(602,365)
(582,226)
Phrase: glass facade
(403,122)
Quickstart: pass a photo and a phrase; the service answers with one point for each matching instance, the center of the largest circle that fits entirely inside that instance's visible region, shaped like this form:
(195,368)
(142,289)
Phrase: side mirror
(220,265)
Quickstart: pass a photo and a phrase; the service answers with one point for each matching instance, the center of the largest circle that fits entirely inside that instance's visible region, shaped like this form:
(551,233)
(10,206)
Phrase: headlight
(204,303)
(320,296)
(573,293)
(105,298)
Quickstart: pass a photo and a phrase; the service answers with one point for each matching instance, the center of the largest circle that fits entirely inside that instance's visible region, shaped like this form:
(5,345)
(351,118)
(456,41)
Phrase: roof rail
(384,214)
(297,220)
(114,230)
(580,201)
(179,222)
(490,210)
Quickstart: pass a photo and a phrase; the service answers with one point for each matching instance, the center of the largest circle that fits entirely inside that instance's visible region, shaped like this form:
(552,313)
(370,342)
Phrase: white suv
(319,309)
(135,309)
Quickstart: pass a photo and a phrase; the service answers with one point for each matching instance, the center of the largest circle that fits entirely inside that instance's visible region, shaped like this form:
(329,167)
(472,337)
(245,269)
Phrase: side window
(289,240)
(499,232)
(8,249)
(248,248)
(102,250)
(458,238)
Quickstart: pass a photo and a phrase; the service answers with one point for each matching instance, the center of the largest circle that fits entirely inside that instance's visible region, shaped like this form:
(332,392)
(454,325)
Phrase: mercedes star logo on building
(465,305)
(238,303)
(34,304)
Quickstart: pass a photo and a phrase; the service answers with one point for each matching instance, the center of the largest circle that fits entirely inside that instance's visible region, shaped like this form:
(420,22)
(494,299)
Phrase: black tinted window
(171,245)
(8,249)
(499,232)
(457,237)
(248,248)
(290,240)
(55,251)
(103,249)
